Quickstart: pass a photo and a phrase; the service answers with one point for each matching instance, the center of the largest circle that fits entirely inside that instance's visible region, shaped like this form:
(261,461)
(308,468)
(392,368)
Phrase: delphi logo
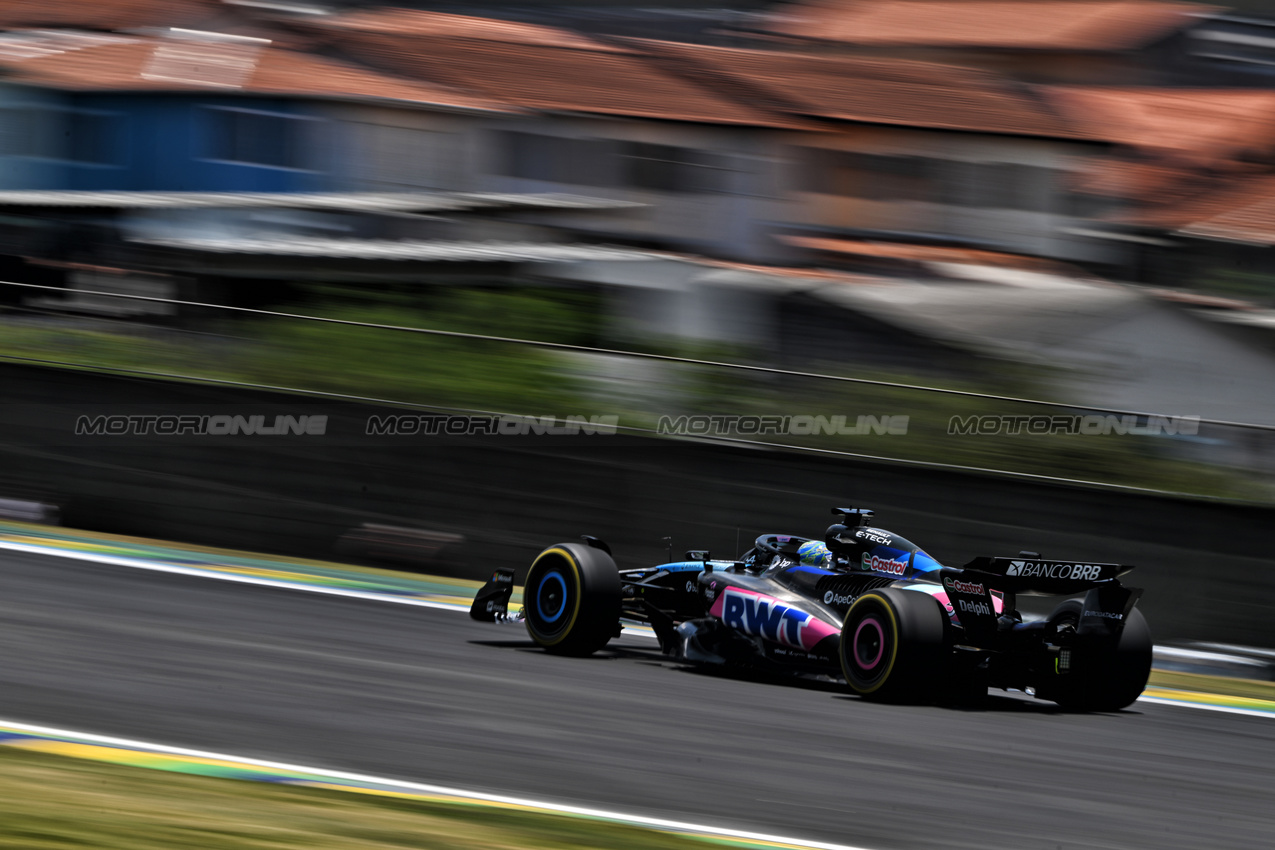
(974,608)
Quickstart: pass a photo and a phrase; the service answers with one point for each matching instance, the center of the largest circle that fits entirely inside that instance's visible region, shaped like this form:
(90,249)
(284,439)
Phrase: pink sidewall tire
(893,646)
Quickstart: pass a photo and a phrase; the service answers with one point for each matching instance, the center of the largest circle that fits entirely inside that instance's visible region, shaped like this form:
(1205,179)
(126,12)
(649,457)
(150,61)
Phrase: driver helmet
(812,553)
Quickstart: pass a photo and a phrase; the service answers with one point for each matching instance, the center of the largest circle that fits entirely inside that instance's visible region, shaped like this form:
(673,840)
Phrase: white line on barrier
(435,790)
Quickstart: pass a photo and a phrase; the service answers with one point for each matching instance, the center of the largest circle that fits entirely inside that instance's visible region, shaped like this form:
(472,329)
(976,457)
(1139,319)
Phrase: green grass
(50,801)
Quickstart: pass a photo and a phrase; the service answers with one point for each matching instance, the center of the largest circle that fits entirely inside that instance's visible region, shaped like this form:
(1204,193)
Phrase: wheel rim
(868,644)
(551,597)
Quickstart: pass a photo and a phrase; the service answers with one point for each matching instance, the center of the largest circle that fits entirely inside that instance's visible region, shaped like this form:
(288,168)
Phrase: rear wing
(1044,577)
(1104,611)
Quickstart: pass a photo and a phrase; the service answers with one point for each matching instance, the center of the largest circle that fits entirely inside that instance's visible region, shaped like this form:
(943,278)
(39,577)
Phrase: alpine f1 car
(864,604)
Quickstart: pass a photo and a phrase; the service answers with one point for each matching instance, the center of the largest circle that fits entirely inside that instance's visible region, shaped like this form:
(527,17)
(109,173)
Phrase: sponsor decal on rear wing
(1041,575)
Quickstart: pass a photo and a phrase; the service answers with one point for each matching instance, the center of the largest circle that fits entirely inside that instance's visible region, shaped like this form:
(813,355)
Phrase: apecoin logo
(831,598)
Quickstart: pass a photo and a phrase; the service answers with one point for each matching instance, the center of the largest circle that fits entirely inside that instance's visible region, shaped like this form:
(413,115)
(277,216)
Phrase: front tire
(571,599)
(1103,678)
(892,645)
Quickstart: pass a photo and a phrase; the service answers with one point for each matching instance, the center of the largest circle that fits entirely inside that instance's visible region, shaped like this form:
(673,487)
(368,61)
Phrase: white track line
(437,790)
(138,563)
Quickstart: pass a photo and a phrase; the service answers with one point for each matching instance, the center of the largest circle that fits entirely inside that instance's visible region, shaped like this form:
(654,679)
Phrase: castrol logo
(959,586)
(885,565)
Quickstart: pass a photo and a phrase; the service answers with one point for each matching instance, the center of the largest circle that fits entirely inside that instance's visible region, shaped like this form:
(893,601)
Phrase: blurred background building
(1085,185)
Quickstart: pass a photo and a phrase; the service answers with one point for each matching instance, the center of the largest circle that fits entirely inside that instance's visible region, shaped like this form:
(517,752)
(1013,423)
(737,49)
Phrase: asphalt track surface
(430,696)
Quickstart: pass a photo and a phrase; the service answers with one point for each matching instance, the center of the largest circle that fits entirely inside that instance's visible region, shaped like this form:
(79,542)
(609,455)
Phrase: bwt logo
(1079,572)
(764,617)
(885,565)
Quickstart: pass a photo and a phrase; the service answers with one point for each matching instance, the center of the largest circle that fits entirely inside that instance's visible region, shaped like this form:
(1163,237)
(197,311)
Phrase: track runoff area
(380,586)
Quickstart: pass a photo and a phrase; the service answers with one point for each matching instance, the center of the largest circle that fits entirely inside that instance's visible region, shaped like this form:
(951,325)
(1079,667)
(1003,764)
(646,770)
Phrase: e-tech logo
(884,565)
(1079,572)
(763,616)
(959,586)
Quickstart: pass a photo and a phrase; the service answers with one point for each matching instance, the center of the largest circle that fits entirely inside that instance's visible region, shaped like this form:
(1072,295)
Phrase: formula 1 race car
(864,604)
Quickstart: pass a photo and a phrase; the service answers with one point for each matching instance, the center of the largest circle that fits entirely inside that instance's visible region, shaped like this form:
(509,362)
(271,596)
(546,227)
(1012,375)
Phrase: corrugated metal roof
(408,202)
(406,250)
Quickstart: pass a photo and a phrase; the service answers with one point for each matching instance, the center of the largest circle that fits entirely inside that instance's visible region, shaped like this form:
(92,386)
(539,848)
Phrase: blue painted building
(148,141)
(183,142)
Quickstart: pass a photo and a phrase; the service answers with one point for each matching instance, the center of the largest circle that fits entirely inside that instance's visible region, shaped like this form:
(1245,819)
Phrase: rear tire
(1103,679)
(892,646)
(571,599)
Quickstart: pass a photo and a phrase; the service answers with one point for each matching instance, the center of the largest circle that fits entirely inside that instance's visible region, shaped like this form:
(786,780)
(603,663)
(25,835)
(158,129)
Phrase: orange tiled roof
(168,64)
(1254,224)
(107,14)
(1189,124)
(909,252)
(1138,180)
(533,66)
(1072,25)
(1221,198)
(138,15)
(878,91)
(1246,213)
(441,24)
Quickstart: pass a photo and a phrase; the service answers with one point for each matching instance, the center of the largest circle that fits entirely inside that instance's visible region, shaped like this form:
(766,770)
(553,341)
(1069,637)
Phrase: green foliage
(50,802)
(500,377)
(1233,283)
(368,362)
